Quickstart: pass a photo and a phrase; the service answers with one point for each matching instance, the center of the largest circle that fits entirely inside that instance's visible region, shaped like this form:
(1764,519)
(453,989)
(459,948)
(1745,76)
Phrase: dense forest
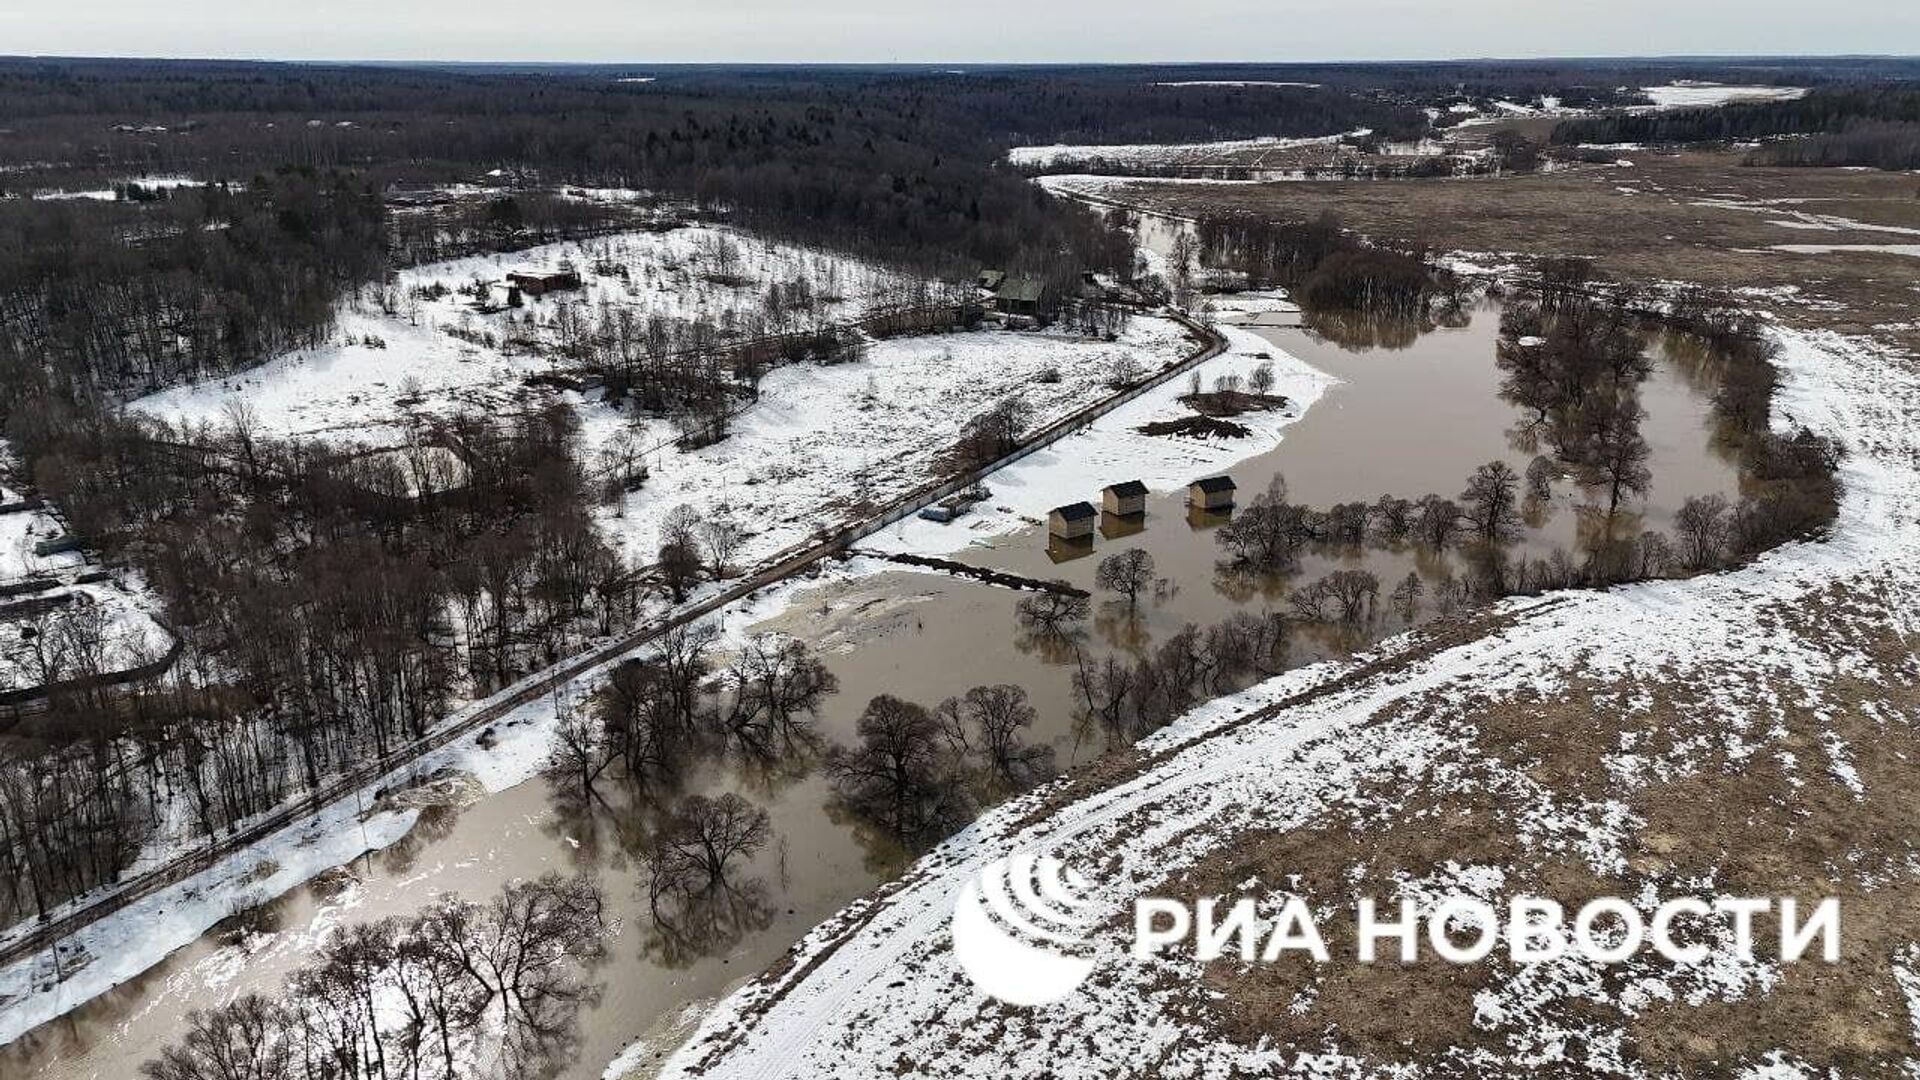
(1877,126)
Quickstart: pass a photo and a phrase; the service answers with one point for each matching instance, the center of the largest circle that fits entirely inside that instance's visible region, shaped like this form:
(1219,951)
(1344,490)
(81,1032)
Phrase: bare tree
(702,837)
(1129,573)
(991,718)
(1406,596)
(777,681)
(1106,686)
(679,549)
(722,539)
(1438,521)
(1054,612)
(1540,475)
(1261,381)
(246,1039)
(896,775)
(581,750)
(1491,504)
(1702,528)
(1392,519)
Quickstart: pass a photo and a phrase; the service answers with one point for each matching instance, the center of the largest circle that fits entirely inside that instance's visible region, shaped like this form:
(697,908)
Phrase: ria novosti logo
(1021,929)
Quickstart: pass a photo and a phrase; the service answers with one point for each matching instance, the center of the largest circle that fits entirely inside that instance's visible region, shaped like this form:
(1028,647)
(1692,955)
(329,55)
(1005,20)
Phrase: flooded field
(1404,420)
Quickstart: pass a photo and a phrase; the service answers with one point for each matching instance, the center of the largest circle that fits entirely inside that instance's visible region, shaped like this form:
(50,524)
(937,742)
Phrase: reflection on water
(1201,519)
(1115,526)
(1063,549)
(1405,422)
(1361,331)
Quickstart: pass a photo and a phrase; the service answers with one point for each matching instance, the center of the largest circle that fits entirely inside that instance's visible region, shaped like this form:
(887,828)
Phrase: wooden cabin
(1211,493)
(1073,521)
(1022,296)
(1125,498)
(541,282)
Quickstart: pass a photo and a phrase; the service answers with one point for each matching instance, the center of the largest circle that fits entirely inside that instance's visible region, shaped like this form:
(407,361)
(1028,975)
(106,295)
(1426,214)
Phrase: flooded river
(1403,421)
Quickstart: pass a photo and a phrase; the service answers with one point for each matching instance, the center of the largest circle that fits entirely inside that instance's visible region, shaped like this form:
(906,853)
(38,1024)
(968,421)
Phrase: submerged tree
(897,775)
(700,839)
(989,720)
(1129,573)
(777,685)
(1491,503)
(1055,612)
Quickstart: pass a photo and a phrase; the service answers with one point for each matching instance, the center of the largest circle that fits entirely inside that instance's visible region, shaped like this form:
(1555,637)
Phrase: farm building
(1022,296)
(1211,493)
(540,282)
(1125,498)
(990,280)
(1073,521)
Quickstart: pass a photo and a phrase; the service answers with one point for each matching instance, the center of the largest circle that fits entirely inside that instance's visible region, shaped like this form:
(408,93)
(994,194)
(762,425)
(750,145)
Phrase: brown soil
(1656,229)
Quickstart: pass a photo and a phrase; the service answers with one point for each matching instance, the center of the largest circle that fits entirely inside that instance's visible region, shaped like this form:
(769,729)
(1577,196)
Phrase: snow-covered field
(1240,83)
(59,643)
(878,985)
(1786,214)
(824,440)
(1828,249)
(109,194)
(820,441)
(20,531)
(380,368)
(1695,95)
(1248,152)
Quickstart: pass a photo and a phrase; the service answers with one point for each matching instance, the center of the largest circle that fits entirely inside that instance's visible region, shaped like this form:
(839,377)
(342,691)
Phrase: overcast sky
(639,31)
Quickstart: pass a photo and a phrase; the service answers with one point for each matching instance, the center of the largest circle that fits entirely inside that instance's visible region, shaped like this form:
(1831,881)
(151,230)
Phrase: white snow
(1095,185)
(1687,94)
(34,649)
(1240,83)
(823,439)
(20,532)
(351,389)
(108,194)
(1827,249)
(1163,154)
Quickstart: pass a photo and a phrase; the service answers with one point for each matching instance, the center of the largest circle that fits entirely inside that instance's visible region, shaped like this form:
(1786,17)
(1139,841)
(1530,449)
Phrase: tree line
(332,606)
(1324,267)
(1873,125)
(460,989)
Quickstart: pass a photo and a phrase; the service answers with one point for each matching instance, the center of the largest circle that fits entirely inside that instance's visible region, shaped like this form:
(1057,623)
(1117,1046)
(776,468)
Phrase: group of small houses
(1128,499)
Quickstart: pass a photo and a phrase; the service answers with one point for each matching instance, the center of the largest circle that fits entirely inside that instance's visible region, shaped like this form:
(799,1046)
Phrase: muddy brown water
(1404,421)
